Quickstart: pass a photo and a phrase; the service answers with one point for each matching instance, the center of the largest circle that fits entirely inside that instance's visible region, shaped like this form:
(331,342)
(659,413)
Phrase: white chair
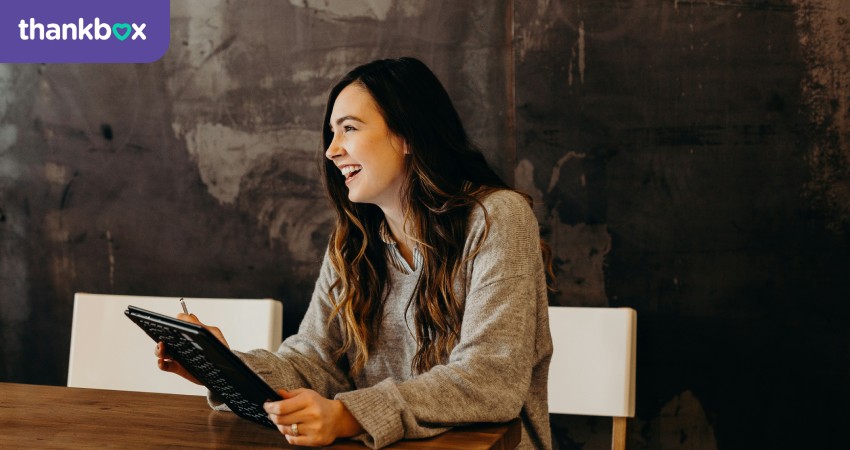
(592,372)
(108,351)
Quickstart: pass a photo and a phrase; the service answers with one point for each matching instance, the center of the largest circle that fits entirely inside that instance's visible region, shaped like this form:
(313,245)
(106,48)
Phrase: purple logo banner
(84,31)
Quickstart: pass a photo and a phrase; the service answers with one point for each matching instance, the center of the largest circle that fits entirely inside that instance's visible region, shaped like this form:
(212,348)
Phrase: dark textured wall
(689,159)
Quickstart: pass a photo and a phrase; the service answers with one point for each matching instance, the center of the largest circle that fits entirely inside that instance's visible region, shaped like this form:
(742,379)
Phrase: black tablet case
(210,361)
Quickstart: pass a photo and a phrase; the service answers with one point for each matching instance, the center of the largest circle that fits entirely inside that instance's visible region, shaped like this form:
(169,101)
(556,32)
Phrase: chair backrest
(592,371)
(108,351)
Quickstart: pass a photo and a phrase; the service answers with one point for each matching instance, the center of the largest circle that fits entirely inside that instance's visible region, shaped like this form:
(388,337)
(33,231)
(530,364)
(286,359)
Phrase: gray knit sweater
(497,371)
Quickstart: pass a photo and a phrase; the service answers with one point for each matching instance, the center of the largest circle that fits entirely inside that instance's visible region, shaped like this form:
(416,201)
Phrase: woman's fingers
(307,412)
(167,364)
(291,409)
(191,318)
(292,402)
(291,393)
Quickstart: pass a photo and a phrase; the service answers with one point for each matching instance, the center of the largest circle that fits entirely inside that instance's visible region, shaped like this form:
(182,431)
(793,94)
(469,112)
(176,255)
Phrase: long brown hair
(446,176)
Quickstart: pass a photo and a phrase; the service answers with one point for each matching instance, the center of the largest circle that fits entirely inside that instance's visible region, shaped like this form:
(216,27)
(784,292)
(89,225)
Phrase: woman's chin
(353,197)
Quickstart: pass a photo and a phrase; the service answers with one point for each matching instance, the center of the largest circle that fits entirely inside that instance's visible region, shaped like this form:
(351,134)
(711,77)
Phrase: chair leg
(618,434)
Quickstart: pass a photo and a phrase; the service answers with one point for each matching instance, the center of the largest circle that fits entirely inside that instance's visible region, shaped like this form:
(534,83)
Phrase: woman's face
(367,153)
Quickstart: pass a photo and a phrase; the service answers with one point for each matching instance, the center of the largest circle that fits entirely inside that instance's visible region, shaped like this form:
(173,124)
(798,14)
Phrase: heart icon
(121,26)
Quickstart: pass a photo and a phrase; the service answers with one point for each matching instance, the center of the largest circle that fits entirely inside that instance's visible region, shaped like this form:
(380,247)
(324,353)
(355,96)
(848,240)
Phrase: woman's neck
(401,233)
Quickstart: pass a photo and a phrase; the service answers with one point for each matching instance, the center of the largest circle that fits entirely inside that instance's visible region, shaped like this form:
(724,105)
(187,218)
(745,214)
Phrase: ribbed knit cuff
(216,402)
(376,410)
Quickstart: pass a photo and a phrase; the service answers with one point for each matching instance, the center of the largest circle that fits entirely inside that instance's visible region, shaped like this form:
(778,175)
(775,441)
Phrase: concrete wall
(689,159)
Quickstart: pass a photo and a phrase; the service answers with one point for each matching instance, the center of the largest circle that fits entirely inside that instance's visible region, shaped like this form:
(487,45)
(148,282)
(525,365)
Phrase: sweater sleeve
(305,359)
(488,373)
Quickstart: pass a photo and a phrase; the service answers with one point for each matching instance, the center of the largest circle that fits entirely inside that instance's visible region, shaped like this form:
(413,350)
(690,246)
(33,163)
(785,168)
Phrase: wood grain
(618,433)
(33,416)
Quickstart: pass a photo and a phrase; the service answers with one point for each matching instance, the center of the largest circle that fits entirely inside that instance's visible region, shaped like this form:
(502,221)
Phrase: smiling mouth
(349,172)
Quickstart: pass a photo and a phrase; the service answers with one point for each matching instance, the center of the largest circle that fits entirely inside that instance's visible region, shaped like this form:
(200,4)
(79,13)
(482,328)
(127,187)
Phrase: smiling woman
(367,153)
(431,307)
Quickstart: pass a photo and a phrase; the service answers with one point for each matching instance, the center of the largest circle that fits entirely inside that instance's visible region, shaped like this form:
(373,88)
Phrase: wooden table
(34,416)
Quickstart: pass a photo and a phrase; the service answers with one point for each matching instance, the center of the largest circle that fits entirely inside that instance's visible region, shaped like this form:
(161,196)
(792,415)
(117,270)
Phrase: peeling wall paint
(348,9)
(224,155)
(683,420)
(16,246)
(8,131)
(579,249)
(8,136)
(824,33)
(361,9)
(200,33)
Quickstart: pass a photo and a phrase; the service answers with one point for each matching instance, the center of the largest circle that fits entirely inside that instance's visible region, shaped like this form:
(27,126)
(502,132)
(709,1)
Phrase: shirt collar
(385,234)
(394,254)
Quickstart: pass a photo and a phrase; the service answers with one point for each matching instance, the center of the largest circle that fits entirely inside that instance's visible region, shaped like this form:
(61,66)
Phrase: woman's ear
(406,148)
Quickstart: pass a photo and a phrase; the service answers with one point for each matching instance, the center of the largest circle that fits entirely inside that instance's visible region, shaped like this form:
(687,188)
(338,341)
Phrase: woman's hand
(167,364)
(319,420)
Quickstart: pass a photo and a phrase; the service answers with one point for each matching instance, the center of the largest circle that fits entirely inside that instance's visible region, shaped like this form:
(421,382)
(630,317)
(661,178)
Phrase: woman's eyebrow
(344,118)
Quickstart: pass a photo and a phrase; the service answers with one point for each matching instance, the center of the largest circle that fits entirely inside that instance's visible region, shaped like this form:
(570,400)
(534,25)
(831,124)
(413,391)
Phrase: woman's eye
(348,128)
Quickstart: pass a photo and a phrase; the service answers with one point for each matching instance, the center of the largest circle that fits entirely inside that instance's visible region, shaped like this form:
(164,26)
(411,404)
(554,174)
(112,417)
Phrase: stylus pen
(183,304)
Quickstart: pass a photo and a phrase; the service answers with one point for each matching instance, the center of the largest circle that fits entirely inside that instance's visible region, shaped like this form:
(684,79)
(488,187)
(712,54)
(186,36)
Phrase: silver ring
(294,428)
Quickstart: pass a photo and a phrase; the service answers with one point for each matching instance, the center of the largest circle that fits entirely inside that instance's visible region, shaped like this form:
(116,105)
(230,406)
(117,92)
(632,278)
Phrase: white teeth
(348,170)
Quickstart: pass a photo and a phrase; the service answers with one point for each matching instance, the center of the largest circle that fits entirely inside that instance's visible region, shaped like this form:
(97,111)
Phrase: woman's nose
(334,149)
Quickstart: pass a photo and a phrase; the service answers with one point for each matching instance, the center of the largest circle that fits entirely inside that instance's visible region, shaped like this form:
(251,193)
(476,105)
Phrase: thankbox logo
(93,31)
(84,31)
